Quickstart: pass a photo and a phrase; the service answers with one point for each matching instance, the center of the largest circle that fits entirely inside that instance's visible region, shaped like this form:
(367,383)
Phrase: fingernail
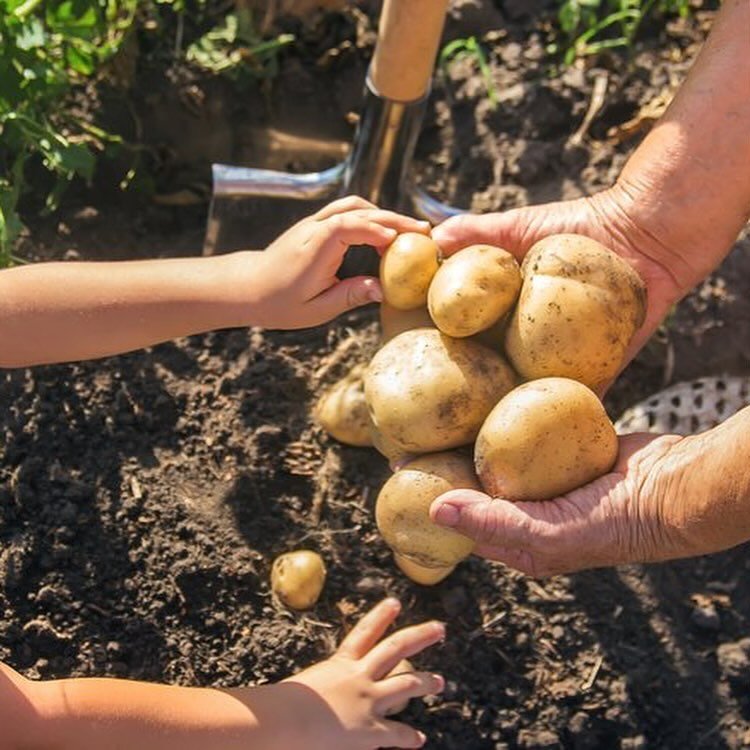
(425,224)
(447,515)
(375,294)
(422,737)
(439,682)
(440,628)
(392,602)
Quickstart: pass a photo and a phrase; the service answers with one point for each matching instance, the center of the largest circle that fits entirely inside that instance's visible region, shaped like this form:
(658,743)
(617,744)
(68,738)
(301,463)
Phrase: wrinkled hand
(353,687)
(607,217)
(296,275)
(631,514)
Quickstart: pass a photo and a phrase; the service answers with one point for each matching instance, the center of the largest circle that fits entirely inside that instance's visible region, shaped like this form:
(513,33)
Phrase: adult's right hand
(666,497)
(611,217)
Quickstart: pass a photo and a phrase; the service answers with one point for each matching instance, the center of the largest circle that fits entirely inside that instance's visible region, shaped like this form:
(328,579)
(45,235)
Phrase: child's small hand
(343,701)
(295,282)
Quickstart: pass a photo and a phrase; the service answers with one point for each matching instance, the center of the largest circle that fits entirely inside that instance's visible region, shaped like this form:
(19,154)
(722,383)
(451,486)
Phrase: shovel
(249,205)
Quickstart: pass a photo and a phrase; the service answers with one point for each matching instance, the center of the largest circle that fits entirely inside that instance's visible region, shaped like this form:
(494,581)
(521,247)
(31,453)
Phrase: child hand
(343,701)
(295,280)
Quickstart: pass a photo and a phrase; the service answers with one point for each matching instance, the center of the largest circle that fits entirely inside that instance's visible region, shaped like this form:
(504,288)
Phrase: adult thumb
(485,519)
(466,511)
(504,229)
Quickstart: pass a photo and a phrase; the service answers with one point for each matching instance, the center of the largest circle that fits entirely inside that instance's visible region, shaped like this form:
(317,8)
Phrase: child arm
(340,702)
(61,312)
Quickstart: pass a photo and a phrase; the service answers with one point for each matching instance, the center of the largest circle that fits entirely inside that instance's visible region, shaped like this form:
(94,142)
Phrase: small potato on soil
(579,307)
(428,392)
(297,578)
(543,439)
(406,270)
(402,510)
(342,410)
(473,289)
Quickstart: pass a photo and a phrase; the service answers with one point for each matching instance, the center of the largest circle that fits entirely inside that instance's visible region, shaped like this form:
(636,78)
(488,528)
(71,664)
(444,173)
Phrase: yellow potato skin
(297,578)
(428,392)
(419,573)
(543,439)
(342,410)
(402,510)
(473,289)
(579,307)
(387,448)
(394,321)
(406,270)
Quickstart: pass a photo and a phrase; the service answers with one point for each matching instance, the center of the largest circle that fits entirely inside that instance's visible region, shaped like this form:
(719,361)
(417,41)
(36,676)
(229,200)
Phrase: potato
(579,307)
(406,270)
(394,321)
(387,448)
(543,439)
(427,392)
(473,289)
(402,510)
(342,410)
(419,573)
(297,578)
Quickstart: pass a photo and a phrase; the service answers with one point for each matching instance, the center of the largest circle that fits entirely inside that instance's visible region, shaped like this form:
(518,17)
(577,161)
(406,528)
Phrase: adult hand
(674,213)
(666,497)
(607,217)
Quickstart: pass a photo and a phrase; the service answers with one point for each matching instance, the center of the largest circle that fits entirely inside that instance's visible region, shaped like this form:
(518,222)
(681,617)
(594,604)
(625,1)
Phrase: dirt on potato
(144,497)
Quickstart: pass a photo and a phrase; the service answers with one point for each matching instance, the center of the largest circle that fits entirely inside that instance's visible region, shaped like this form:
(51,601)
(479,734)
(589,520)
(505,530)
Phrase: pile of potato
(487,379)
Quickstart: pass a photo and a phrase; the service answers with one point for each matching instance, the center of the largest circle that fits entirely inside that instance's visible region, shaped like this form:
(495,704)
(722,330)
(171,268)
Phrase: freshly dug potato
(579,307)
(543,439)
(297,578)
(402,510)
(419,573)
(427,392)
(387,448)
(342,410)
(394,321)
(473,289)
(406,270)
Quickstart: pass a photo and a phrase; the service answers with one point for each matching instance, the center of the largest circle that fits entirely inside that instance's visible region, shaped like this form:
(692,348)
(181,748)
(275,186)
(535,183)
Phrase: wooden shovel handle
(408,37)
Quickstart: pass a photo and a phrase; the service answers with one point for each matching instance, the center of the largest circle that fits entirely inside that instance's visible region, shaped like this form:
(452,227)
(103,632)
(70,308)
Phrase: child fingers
(401,645)
(397,735)
(394,220)
(394,692)
(343,230)
(342,205)
(343,296)
(370,629)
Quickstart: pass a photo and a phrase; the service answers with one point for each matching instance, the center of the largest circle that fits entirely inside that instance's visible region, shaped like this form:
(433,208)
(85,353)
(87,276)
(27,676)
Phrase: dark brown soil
(143,497)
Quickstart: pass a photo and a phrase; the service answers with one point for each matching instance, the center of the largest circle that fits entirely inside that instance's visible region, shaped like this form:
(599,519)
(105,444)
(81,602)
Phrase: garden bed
(143,497)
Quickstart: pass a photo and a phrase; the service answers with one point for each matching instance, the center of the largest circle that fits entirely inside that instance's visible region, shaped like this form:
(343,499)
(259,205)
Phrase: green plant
(235,47)
(45,49)
(591,26)
(470,47)
(50,48)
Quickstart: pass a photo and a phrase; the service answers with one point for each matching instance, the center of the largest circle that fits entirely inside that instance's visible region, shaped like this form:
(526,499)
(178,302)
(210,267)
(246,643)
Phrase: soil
(143,497)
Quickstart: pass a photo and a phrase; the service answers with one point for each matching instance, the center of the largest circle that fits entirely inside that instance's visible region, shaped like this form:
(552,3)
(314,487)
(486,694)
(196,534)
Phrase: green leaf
(80,59)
